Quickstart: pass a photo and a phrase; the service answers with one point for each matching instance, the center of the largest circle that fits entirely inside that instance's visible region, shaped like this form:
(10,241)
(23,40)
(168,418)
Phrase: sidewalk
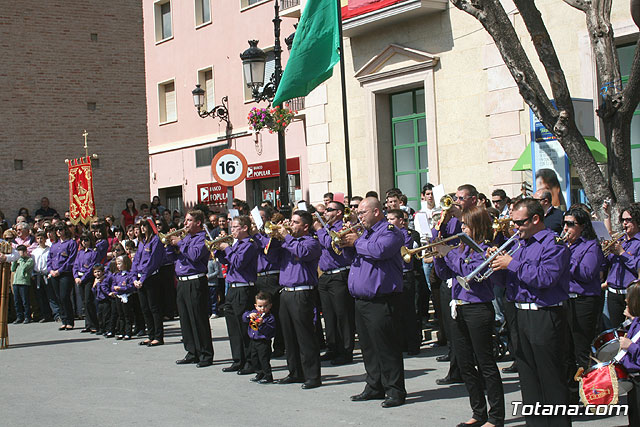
(51,378)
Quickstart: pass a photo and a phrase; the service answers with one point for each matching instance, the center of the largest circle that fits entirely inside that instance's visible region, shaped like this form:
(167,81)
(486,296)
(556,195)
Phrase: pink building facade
(193,42)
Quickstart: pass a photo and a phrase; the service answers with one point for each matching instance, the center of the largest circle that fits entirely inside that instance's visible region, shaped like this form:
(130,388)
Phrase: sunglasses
(569,223)
(331,209)
(353,206)
(520,222)
(456,198)
(495,202)
(627,219)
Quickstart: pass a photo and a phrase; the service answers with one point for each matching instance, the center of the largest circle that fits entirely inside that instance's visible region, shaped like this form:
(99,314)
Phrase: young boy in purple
(261,330)
(101,289)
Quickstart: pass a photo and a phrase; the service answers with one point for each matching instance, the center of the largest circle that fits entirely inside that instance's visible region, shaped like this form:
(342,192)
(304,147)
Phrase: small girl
(121,289)
(631,361)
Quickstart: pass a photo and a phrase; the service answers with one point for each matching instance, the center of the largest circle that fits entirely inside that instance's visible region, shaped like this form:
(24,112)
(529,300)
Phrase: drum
(607,344)
(603,383)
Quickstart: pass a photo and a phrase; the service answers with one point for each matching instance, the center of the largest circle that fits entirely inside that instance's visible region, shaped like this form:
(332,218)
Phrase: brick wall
(59,56)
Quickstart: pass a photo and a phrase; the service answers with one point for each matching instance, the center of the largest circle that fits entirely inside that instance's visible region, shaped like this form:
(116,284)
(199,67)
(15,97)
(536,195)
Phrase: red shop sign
(212,193)
(271,169)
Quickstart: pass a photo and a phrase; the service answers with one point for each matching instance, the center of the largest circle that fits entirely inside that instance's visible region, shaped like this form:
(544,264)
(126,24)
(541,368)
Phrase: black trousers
(104,315)
(616,304)
(540,358)
(633,400)
(471,334)
(150,295)
(192,300)
(260,356)
(43,298)
(447,321)
(377,322)
(167,284)
(297,311)
(271,284)
(63,285)
(511,317)
(125,317)
(338,311)
(409,319)
(583,314)
(90,308)
(238,300)
(134,299)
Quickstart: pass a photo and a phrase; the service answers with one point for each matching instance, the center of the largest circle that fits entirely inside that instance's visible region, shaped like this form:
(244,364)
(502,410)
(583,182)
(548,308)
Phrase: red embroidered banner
(81,204)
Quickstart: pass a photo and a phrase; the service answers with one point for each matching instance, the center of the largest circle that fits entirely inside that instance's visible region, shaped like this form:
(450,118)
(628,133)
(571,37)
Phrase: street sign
(229,167)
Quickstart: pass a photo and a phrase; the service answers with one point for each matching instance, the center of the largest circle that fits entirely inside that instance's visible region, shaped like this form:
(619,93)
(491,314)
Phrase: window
(162,11)
(203,12)
(167,102)
(269,68)
(625,54)
(205,80)
(205,155)
(18,165)
(409,132)
(247,3)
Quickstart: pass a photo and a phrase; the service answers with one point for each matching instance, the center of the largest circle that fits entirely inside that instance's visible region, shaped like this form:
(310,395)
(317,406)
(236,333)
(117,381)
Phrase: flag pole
(345,119)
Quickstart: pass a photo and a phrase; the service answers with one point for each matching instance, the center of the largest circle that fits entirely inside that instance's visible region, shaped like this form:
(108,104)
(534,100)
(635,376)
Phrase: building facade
(199,42)
(67,67)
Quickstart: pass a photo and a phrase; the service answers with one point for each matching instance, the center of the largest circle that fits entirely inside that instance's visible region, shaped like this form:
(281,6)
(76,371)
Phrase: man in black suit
(552,216)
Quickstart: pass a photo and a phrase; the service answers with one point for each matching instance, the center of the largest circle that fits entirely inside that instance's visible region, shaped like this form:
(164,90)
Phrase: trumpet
(336,236)
(501,225)
(214,245)
(477,274)
(446,203)
(407,253)
(607,245)
(271,230)
(164,237)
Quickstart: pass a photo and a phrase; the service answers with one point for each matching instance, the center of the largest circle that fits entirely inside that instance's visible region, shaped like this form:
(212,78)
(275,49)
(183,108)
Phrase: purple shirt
(539,270)
(62,255)
(241,258)
(624,268)
(266,329)
(192,256)
(83,265)
(270,261)
(125,280)
(585,267)
(461,263)
(453,227)
(102,246)
(631,360)
(299,266)
(103,287)
(377,265)
(329,260)
(150,256)
(408,242)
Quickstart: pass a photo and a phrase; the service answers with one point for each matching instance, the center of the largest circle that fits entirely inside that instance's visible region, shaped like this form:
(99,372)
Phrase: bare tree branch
(578,4)
(631,92)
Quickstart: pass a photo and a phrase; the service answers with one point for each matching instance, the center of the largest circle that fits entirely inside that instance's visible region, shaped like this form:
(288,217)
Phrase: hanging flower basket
(274,119)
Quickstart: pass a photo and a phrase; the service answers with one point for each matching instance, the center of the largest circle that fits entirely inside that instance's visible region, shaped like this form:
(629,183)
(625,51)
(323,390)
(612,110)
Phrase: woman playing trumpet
(585,300)
(624,261)
(473,314)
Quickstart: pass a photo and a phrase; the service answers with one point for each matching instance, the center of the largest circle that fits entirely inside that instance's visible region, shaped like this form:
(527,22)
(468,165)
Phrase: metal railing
(288,4)
(296,104)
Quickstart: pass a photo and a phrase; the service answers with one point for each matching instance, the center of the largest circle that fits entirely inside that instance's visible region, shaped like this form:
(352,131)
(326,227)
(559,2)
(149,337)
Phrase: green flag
(315,51)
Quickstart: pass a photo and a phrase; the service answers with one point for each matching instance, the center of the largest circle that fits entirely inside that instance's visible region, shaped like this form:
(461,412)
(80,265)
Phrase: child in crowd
(22,268)
(262,327)
(121,289)
(101,289)
(44,290)
(213,271)
(631,361)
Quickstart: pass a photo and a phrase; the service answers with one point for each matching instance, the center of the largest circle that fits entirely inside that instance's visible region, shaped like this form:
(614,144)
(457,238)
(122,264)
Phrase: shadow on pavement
(53,342)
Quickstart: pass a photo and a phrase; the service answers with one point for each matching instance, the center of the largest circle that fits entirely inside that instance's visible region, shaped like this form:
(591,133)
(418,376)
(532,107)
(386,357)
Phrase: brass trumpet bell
(607,245)
(164,237)
(214,245)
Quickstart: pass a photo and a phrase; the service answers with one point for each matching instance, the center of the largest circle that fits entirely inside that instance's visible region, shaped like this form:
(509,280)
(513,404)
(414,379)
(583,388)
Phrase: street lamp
(253,65)
(219,111)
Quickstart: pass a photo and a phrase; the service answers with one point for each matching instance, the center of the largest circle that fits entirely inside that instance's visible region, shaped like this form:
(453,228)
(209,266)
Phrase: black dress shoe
(185,361)
(391,402)
(204,364)
(245,371)
(231,368)
(268,379)
(341,360)
(308,385)
(152,344)
(448,381)
(257,378)
(289,380)
(366,396)
(142,342)
(329,355)
(85,330)
(513,369)
(443,358)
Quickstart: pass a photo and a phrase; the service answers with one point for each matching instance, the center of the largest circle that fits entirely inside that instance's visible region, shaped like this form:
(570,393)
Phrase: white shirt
(40,256)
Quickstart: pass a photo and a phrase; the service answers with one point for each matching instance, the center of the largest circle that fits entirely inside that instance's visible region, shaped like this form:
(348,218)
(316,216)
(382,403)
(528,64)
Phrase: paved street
(68,378)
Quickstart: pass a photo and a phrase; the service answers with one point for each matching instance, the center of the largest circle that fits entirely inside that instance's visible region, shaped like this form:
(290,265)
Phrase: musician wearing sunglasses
(537,279)
(337,302)
(585,301)
(473,319)
(623,261)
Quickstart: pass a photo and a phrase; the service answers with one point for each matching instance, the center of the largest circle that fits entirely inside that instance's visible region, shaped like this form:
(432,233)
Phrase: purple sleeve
(305,249)
(442,269)
(463,263)
(194,251)
(590,266)
(77,264)
(49,261)
(385,246)
(543,272)
(245,316)
(155,259)
(268,326)
(136,260)
(324,238)
(72,251)
(102,247)
(244,254)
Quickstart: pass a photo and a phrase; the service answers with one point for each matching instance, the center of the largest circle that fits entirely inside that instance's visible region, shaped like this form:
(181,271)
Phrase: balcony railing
(288,4)
(296,104)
